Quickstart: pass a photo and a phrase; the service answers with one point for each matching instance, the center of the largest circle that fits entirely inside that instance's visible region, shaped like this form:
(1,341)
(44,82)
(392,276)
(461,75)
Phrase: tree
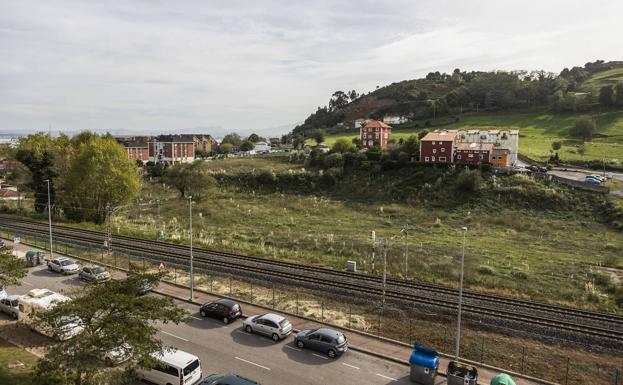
(113,318)
(469,180)
(190,179)
(607,96)
(298,141)
(225,148)
(411,145)
(352,95)
(318,136)
(619,94)
(247,145)
(556,146)
(101,176)
(12,269)
(343,145)
(233,138)
(584,127)
(254,138)
(338,100)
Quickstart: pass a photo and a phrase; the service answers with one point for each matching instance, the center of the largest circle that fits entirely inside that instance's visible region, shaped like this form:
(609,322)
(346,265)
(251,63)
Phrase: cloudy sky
(155,66)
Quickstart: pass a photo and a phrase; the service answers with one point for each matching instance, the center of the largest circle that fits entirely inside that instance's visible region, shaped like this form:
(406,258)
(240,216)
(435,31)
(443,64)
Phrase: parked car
(542,169)
(63,265)
(118,355)
(3,293)
(331,342)
(10,305)
(2,244)
(94,274)
(272,325)
(223,309)
(598,177)
(229,379)
(172,367)
(594,181)
(521,169)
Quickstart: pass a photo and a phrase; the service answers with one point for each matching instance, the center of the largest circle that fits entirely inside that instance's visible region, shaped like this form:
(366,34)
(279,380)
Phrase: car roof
(226,302)
(272,317)
(176,357)
(328,332)
(13,296)
(62,259)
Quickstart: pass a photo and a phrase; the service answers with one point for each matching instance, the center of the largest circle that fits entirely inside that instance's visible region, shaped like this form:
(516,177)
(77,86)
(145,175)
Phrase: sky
(152,66)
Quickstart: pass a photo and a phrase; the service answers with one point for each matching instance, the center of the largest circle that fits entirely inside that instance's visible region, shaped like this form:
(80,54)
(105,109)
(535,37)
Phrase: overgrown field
(538,130)
(525,238)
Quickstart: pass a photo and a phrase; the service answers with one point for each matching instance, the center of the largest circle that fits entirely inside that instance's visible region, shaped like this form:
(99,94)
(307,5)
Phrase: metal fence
(496,348)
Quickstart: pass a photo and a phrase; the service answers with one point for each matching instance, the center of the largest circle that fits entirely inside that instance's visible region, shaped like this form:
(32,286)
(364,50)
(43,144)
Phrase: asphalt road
(227,348)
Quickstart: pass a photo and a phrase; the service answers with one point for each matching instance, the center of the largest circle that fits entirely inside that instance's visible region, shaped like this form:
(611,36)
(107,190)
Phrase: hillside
(461,94)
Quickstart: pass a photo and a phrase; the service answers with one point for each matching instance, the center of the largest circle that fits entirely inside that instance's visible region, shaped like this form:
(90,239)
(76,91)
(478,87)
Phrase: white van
(174,367)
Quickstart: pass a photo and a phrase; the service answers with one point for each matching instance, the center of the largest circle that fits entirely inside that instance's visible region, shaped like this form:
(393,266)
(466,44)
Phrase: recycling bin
(461,374)
(424,363)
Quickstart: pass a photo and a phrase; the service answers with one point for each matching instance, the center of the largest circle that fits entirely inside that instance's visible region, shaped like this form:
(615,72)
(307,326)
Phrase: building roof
(475,146)
(376,124)
(184,138)
(440,136)
(497,150)
(135,144)
(6,193)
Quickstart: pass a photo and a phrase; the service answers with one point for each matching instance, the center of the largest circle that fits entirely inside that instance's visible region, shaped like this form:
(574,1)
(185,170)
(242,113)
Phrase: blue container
(424,363)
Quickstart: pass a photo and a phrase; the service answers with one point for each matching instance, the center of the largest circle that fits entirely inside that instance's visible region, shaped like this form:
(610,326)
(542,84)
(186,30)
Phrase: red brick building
(473,153)
(172,149)
(205,143)
(375,132)
(137,150)
(438,147)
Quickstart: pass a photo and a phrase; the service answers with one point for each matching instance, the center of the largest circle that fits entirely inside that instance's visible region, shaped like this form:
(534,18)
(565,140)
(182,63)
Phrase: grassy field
(537,132)
(603,78)
(16,376)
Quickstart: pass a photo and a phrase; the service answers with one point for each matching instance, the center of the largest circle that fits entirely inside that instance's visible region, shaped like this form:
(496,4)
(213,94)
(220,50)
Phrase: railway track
(596,324)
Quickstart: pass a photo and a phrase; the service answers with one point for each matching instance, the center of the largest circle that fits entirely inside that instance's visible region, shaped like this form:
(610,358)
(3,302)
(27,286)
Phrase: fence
(552,361)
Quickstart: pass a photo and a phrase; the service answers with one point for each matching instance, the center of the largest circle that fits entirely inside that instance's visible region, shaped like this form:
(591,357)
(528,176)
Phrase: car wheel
(248,329)
(203,313)
(225,320)
(275,337)
(331,353)
(300,344)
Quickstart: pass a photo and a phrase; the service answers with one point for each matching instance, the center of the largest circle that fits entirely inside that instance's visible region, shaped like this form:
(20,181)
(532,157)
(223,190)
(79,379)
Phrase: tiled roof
(7,193)
(376,124)
(440,136)
(475,146)
(176,138)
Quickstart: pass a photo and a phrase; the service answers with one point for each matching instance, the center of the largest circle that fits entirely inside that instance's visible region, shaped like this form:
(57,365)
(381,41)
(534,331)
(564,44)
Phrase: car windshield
(191,368)
(67,262)
(98,270)
(284,323)
(341,339)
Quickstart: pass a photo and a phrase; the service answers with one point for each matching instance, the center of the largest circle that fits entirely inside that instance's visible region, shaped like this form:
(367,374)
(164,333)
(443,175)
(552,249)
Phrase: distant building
(8,194)
(500,157)
(261,147)
(438,147)
(394,119)
(172,149)
(375,133)
(137,150)
(508,139)
(473,153)
(205,143)
(11,142)
(275,141)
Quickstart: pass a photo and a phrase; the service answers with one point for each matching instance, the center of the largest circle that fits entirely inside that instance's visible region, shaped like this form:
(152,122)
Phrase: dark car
(223,309)
(331,342)
(229,379)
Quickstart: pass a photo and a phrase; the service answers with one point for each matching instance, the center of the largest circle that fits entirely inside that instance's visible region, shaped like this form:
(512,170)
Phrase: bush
(469,180)
(267,177)
(486,270)
(334,161)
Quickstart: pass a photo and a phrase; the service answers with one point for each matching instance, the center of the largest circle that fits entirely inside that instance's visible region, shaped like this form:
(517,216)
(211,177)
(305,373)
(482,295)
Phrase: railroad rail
(595,324)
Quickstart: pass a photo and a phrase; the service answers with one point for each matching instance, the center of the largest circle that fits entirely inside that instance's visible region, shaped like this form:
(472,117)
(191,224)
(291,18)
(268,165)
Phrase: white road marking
(28,283)
(319,356)
(350,366)
(173,335)
(293,348)
(387,378)
(252,363)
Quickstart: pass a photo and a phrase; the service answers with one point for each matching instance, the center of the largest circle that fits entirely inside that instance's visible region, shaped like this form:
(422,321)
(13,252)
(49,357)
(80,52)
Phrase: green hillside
(604,78)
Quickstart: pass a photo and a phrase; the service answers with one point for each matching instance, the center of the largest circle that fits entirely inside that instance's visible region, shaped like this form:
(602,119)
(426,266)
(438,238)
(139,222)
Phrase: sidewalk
(358,341)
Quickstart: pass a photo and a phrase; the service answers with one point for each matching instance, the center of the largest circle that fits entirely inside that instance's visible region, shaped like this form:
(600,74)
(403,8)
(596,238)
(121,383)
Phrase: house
(172,149)
(261,147)
(137,150)
(508,139)
(205,143)
(473,153)
(360,123)
(394,119)
(7,194)
(500,157)
(274,141)
(375,132)
(438,146)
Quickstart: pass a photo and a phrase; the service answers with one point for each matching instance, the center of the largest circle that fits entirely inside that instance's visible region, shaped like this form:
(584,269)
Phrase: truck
(42,300)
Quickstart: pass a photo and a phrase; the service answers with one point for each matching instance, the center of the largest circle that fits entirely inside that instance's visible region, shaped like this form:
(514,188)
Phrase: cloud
(145,65)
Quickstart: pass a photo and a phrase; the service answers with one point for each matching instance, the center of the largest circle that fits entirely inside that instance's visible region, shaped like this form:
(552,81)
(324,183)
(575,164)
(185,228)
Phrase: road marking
(252,363)
(173,335)
(198,319)
(293,348)
(387,378)
(350,366)
(28,283)
(319,356)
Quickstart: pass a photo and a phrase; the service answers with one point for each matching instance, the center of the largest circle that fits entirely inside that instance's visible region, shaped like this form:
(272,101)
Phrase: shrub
(267,177)
(469,180)
(334,160)
(486,270)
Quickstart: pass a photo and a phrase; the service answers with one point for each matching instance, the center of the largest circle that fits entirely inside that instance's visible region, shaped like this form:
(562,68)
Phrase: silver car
(63,265)
(10,305)
(272,325)
(94,274)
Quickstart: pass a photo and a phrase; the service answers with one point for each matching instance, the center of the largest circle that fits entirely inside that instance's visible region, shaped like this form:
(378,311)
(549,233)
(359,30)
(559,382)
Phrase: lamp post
(190,236)
(50,217)
(458,323)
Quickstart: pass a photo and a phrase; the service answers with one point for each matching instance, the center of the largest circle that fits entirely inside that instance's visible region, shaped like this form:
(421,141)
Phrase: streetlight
(190,236)
(50,217)
(458,324)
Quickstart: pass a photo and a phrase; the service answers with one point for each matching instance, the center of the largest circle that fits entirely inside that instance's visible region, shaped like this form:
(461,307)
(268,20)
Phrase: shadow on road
(306,356)
(255,340)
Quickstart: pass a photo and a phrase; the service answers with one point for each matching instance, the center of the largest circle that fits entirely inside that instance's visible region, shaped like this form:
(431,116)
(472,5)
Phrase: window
(434,150)
(443,149)
(433,142)
(426,159)
(458,156)
(470,155)
(442,158)
(191,368)
(432,158)
(326,339)
(481,156)
(167,369)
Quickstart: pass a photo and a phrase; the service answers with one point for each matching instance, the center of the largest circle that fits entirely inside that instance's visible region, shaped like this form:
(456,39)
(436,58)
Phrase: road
(227,348)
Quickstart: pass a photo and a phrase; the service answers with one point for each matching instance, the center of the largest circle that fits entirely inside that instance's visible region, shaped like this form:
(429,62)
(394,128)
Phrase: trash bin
(502,379)
(461,374)
(424,363)
(33,258)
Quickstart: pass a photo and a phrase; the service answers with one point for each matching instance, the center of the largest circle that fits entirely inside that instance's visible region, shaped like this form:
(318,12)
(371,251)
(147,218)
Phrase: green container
(502,379)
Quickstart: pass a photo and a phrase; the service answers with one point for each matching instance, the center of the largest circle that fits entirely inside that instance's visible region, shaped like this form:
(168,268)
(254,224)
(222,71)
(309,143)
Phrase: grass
(603,78)
(17,376)
(538,130)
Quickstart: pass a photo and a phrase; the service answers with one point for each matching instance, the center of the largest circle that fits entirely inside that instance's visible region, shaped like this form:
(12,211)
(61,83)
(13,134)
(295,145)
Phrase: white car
(272,325)
(10,305)
(172,367)
(3,293)
(94,274)
(63,265)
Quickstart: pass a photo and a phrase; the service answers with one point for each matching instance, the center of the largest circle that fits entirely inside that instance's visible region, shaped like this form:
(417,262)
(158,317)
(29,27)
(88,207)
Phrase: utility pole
(373,249)
(109,228)
(405,232)
(190,236)
(50,217)
(458,323)
(385,247)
